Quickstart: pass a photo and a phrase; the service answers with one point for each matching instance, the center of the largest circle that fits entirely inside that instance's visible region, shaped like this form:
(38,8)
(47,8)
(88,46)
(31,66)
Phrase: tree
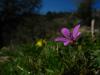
(85,11)
(10,15)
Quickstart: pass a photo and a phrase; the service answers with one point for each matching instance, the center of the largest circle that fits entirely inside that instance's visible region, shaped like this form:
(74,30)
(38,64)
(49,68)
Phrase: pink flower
(69,37)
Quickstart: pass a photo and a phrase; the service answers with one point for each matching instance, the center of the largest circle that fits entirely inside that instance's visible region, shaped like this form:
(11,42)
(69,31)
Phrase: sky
(62,5)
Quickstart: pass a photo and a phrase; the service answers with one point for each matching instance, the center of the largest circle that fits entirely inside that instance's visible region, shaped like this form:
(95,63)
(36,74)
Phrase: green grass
(52,59)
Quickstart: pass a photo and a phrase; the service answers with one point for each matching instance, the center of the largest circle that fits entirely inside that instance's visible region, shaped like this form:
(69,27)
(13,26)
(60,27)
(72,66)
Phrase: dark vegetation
(12,14)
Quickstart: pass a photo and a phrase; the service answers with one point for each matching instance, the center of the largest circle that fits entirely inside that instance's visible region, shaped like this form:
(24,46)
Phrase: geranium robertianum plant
(75,58)
(69,37)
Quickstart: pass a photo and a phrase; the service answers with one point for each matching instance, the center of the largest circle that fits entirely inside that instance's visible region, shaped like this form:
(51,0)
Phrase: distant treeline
(21,22)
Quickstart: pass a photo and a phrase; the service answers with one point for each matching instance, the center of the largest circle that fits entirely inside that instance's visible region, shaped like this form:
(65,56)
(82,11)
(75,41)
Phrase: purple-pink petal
(78,34)
(76,31)
(60,39)
(66,42)
(65,32)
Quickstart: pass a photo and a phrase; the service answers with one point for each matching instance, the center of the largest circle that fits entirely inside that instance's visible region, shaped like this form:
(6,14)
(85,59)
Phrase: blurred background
(28,29)
(24,21)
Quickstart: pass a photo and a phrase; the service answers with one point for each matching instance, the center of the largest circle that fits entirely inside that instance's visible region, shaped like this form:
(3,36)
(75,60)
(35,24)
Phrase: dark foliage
(85,11)
(11,12)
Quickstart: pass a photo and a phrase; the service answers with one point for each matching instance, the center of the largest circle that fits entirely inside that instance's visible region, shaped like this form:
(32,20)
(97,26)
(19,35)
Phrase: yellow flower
(40,42)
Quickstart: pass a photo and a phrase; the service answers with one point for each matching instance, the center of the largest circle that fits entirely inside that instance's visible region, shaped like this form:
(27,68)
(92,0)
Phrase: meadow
(52,58)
